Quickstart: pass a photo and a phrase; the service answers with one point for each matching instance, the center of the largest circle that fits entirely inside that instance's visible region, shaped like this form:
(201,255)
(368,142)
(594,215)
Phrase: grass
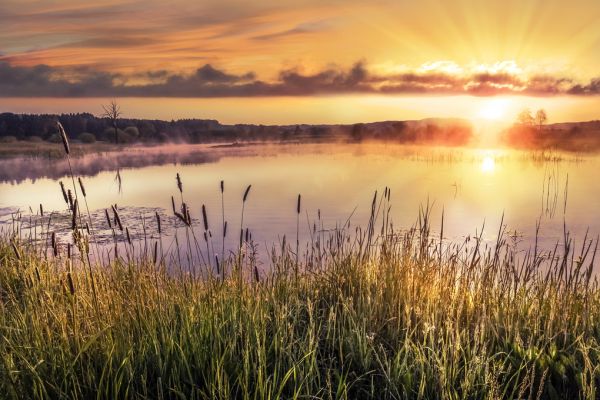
(52,150)
(373,313)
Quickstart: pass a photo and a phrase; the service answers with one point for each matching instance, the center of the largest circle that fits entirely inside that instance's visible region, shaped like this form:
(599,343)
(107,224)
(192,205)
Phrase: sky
(299,61)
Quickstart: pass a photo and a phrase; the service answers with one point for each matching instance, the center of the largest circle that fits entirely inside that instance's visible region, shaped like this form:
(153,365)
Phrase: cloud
(308,27)
(209,81)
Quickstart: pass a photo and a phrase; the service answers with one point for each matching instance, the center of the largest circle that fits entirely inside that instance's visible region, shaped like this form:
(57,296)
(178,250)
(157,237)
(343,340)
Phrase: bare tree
(525,118)
(541,118)
(112,111)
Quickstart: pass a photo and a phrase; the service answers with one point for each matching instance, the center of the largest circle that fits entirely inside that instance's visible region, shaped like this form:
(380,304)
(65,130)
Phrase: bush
(8,139)
(109,136)
(54,138)
(87,137)
(132,131)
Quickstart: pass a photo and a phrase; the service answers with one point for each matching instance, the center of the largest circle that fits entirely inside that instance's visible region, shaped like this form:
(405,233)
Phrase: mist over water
(473,188)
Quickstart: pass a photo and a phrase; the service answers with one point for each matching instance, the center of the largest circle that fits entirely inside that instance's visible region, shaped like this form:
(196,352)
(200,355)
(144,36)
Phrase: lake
(473,188)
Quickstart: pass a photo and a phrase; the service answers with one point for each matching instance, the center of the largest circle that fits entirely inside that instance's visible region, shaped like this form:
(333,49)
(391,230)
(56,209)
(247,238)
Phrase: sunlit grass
(371,316)
(372,312)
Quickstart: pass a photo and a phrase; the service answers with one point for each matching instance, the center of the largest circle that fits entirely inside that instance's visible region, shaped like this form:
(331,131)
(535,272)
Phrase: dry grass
(372,313)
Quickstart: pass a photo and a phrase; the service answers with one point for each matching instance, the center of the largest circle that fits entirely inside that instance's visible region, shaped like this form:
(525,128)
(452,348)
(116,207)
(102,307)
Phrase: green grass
(371,316)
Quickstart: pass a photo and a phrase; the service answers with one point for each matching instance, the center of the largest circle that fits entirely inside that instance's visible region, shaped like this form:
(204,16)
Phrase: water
(473,188)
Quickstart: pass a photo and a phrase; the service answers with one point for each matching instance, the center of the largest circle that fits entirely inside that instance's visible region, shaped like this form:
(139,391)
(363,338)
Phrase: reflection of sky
(471,186)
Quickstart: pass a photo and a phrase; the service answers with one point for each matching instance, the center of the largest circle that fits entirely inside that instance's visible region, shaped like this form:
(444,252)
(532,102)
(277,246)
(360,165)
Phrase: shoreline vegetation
(36,135)
(372,312)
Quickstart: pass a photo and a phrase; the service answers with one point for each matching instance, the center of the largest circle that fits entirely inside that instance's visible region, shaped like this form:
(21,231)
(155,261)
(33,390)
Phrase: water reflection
(488,164)
(473,187)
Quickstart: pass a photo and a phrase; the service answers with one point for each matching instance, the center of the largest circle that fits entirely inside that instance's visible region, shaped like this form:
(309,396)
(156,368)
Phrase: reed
(402,320)
(375,313)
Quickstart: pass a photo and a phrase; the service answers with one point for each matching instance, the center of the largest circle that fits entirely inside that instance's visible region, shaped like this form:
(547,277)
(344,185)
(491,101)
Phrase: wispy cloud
(305,28)
(209,81)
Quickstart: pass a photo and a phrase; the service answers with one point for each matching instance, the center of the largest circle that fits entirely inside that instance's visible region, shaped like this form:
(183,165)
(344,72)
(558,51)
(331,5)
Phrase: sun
(493,109)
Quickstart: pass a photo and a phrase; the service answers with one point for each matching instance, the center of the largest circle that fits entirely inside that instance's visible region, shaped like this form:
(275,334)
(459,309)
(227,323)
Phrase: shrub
(54,138)
(109,136)
(87,137)
(132,131)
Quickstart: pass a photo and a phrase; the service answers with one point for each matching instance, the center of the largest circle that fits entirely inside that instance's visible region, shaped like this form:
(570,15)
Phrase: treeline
(570,136)
(88,128)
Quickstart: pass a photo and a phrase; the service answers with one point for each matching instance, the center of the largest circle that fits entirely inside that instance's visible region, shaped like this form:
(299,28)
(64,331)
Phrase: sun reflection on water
(488,165)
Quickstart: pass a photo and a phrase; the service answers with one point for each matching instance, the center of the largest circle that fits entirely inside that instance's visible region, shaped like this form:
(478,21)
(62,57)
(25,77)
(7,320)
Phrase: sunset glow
(488,165)
(277,51)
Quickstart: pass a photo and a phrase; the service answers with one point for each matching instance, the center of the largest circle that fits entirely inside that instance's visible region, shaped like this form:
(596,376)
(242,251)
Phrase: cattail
(69,250)
(217,263)
(204,217)
(41,210)
(16,250)
(158,222)
(108,218)
(128,236)
(64,192)
(222,186)
(117,218)
(155,252)
(74,220)
(63,136)
(70,197)
(179,184)
(181,217)
(184,215)
(225,229)
(187,215)
(54,245)
(173,204)
(298,205)
(256,276)
(246,193)
(205,237)
(247,233)
(87,228)
(82,187)
(71,284)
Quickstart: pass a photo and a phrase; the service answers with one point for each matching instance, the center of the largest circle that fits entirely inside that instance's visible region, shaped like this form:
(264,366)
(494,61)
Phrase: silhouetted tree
(357,132)
(525,117)
(540,118)
(112,111)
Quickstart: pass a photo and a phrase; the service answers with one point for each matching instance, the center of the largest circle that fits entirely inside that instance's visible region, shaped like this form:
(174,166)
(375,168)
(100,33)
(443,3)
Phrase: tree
(525,118)
(112,111)
(540,118)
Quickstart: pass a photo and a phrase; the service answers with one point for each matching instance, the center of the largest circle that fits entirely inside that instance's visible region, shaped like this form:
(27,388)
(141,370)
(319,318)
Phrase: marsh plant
(373,312)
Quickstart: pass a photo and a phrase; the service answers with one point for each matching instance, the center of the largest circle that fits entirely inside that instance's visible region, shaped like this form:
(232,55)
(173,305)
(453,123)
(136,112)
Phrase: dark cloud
(208,81)
(592,88)
(208,73)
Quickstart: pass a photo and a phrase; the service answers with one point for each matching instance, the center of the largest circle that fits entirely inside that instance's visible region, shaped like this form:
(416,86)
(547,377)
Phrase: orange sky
(313,55)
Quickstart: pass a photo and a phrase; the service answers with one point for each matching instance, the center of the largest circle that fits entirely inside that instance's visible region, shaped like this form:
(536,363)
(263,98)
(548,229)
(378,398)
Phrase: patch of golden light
(488,164)
(494,109)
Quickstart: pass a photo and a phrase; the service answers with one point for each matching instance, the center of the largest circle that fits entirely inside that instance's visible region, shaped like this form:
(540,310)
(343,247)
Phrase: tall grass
(374,313)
